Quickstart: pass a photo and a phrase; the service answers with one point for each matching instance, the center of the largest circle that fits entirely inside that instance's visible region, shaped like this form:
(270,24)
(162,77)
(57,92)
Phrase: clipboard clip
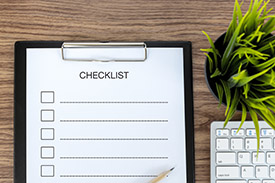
(106,45)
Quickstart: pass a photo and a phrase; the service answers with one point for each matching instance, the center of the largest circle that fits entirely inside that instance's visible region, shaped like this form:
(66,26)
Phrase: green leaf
(233,108)
(261,20)
(253,104)
(262,99)
(245,43)
(266,41)
(266,64)
(239,11)
(246,89)
(232,25)
(255,34)
(272,74)
(210,50)
(272,48)
(244,113)
(220,93)
(269,26)
(233,66)
(266,47)
(231,45)
(264,90)
(266,79)
(234,80)
(245,51)
(270,105)
(246,80)
(250,6)
(263,8)
(253,61)
(268,117)
(227,95)
(252,17)
(211,44)
(209,39)
(210,62)
(257,128)
(241,75)
(240,68)
(239,38)
(216,73)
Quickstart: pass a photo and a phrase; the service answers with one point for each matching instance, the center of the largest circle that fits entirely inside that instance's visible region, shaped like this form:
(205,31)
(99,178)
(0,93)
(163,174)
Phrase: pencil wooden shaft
(160,177)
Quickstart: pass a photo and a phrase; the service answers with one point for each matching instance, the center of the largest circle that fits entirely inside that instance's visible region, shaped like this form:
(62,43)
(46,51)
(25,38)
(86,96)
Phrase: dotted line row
(138,176)
(114,139)
(113,157)
(113,102)
(115,120)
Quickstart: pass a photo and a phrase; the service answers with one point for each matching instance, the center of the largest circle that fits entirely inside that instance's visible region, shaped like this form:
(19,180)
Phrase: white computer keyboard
(234,156)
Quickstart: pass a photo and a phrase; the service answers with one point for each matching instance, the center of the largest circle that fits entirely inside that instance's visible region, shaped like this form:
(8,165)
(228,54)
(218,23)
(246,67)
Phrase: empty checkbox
(47,97)
(47,152)
(47,115)
(47,134)
(47,170)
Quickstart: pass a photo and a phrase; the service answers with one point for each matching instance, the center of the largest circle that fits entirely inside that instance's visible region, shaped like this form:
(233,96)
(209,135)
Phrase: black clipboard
(20,102)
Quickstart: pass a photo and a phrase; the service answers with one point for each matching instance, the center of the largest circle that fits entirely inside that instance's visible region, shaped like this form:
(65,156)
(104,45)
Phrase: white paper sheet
(105,130)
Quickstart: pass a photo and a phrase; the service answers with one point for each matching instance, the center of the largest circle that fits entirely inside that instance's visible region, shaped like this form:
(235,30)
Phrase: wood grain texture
(119,20)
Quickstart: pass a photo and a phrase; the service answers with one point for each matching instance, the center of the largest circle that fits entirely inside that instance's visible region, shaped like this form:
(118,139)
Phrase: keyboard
(234,155)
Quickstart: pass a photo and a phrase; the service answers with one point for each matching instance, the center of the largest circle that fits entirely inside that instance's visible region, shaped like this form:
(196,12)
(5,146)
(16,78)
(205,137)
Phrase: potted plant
(240,65)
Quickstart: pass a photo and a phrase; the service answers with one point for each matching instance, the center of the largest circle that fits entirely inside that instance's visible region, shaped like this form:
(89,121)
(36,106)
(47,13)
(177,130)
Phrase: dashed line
(103,176)
(115,120)
(113,157)
(91,139)
(114,102)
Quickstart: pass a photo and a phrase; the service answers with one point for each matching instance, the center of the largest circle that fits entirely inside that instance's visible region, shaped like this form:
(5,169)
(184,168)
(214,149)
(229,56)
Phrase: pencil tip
(172,169)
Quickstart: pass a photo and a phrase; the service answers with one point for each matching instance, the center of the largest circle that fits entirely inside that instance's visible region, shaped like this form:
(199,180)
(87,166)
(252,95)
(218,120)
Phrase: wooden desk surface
(117,20)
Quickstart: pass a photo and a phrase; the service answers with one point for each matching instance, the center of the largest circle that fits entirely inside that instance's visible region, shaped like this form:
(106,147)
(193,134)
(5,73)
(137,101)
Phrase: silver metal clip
(69,45)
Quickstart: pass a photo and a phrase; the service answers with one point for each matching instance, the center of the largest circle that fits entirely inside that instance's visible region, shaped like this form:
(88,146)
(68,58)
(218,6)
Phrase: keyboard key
(260,159)
(222,144)
(231,181)
(261,171)
(251,132)
(225,158)
(236,144)
(228,172)
(272,171)
(222,132)
(244,158)
(254,181)
(247,171)
(267,132)
(265,144)
(234,132)
(268,181)
(270,157)
(251,144)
